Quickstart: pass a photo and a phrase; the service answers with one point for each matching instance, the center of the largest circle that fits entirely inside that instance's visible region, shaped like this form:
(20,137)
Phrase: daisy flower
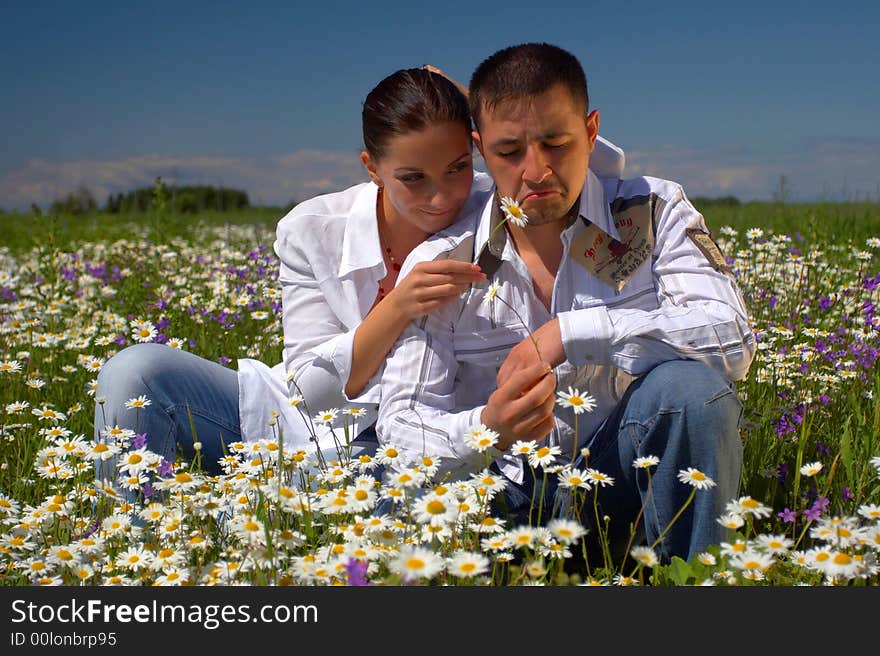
(466,564)
(644,556)
(492,290)
(841,564)
(598,478)
(811,468)
(706,558)
(571,477)
(731,520)
(646,462)
(544,456)
(774,544)
(138,402)
(513,212)
(566,531)
(480,437)
(522,537)
(576,400)
(326,416)
(387,455)
(748,506)
(176,342)
(752,560)
(523,448)
(144,332)
(10,366)
(695,478)
(870,511)
(413,563)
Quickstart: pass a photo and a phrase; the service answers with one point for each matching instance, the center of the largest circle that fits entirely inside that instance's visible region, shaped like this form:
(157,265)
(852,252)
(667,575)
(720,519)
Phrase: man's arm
(417,412)
(701,315)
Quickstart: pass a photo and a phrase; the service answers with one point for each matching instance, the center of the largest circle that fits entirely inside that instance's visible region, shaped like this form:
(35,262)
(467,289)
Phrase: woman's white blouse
(330,267)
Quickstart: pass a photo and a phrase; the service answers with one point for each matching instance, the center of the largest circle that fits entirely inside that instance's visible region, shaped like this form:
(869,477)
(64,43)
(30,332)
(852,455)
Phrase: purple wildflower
(787,515)
(812,513)
(165,468)
(139,441)
(356,570)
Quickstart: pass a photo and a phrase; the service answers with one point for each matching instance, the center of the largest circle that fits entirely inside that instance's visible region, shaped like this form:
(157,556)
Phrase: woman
(340,255)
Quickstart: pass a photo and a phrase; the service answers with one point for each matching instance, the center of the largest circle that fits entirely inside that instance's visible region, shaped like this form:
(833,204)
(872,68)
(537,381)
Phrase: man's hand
(522,408)
(525,354)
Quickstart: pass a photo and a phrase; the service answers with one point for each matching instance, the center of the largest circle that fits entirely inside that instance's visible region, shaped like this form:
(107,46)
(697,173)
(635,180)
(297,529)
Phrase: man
(613,288)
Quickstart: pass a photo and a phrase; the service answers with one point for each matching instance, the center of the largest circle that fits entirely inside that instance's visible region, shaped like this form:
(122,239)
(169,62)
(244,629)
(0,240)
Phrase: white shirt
(675,305)
(330,267)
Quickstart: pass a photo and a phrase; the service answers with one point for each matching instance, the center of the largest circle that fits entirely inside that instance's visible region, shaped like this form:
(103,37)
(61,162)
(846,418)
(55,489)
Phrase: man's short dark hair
(525,71)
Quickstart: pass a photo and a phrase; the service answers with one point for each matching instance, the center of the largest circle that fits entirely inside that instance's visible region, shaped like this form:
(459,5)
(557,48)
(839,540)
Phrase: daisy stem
(534,490)
(603,533)
(797,468)
(541,500)
(632,532)
(674,519)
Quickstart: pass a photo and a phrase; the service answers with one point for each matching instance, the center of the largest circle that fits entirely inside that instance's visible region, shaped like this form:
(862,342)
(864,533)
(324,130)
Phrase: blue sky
(266,96)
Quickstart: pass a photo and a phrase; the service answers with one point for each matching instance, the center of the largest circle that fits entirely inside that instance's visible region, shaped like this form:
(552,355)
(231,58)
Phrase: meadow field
(76,290)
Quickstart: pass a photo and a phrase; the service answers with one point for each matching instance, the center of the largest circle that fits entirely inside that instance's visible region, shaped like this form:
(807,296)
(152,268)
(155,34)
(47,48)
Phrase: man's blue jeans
(687,415)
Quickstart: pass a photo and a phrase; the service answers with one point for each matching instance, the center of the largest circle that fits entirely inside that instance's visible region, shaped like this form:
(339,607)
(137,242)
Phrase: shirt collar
(360,243)
(592,208)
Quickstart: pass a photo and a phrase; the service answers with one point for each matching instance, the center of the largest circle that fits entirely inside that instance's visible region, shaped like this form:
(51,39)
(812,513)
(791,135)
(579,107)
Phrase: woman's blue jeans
(192,399)
(687,415)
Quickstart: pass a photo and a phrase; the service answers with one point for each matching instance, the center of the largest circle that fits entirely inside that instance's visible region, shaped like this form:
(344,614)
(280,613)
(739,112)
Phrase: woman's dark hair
(525,71)
(409,100)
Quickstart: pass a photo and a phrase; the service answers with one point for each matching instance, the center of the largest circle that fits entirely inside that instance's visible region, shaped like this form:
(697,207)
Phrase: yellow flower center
(841,558)
(435,507)
(415,563)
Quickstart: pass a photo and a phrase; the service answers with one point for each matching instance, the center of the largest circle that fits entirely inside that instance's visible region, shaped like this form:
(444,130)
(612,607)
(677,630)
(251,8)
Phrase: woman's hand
(432,284)
(460,86)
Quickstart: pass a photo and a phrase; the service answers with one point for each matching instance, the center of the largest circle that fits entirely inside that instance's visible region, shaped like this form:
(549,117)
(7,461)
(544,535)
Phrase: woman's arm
(428,286)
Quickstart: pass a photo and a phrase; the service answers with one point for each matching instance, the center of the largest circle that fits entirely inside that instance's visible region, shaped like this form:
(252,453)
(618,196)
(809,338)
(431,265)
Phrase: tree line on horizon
(189,199)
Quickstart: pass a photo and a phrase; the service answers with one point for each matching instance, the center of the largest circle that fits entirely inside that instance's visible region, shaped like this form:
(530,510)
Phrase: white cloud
(830,169)
(268,180)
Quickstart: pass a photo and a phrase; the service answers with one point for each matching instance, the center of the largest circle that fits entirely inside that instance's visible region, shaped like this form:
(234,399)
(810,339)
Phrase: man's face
(537,150)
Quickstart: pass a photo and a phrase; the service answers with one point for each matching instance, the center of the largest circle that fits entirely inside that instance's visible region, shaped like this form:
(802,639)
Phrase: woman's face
(426,175)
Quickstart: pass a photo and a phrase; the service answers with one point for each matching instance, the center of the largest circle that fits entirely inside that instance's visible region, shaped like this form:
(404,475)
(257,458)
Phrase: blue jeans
(686,414)
(179,385)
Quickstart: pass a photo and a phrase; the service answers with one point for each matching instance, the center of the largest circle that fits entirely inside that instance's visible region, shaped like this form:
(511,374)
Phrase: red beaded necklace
(383,242)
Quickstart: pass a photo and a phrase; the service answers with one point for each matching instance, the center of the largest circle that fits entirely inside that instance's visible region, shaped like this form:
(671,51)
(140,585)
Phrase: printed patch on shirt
(612,261)
(708,247)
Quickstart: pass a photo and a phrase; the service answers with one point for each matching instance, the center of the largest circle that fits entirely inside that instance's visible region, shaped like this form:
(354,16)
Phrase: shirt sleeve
(317,344)
(700,315)
(417,412)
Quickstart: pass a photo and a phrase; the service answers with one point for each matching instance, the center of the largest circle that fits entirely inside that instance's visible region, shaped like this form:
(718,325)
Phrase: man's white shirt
(678,304)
